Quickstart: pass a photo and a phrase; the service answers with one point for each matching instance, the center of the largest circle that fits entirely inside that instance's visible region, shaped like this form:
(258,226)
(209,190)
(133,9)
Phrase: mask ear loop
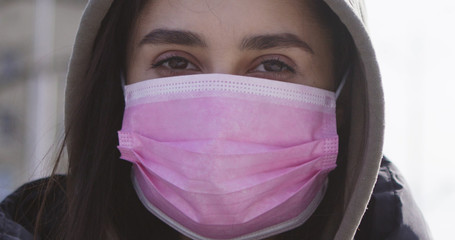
(342,83)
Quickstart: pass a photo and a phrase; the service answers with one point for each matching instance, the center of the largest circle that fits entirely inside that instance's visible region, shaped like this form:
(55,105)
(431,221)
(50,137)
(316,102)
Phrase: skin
(281,42)
(278,40)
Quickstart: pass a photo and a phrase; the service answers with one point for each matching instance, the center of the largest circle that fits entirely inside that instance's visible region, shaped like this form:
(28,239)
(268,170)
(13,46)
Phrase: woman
(257,119)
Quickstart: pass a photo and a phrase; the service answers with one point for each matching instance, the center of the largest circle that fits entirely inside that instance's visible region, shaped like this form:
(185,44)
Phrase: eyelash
(158,64)
(277,59)
(167,59)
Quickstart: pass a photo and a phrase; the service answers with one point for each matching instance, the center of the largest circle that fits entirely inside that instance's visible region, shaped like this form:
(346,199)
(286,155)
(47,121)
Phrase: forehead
(227,18)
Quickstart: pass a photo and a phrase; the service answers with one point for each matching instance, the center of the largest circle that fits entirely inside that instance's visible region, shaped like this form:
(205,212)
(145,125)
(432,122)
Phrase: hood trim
(93,15)
(370,137)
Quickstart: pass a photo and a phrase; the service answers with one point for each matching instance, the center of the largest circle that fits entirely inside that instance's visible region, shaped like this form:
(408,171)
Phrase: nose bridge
(225,60)
(224,55)
(225,66)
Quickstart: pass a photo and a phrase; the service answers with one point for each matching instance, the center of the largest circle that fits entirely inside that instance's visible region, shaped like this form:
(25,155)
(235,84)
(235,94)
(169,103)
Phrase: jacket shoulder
(392,212)
(19,210)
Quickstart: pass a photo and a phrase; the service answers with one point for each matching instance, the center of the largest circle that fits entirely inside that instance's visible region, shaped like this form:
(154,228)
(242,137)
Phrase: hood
(367,113)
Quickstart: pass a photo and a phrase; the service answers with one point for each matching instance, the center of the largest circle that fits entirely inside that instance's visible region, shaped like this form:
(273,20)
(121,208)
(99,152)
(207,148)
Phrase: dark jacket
(391,213)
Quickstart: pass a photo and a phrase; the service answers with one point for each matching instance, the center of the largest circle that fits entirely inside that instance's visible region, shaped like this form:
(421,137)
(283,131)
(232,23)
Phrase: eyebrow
(165,36)
(284,40)
(257,42)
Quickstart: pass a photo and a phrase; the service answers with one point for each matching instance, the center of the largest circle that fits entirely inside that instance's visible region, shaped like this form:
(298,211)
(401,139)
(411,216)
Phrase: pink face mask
(220,156)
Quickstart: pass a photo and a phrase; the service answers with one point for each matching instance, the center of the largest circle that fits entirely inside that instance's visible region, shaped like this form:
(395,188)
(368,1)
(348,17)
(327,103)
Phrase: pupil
(273,67)
(178,63)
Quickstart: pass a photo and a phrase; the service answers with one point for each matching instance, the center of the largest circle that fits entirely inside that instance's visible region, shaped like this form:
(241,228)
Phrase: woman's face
(279,40)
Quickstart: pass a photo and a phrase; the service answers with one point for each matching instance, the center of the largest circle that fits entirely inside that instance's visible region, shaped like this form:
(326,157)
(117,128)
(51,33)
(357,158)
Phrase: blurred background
(414,40)
(415,45)
(35,44)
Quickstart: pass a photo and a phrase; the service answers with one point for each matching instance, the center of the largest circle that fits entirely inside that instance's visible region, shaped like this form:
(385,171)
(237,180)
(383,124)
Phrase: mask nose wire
(337,92)
(342,83)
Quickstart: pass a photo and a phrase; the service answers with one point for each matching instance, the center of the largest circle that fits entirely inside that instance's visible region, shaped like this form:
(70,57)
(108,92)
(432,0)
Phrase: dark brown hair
(100,200)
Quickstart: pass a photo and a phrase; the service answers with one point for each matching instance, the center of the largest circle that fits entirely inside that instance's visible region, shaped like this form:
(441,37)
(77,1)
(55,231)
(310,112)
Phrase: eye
(175,63)
(273,64)
(275,67)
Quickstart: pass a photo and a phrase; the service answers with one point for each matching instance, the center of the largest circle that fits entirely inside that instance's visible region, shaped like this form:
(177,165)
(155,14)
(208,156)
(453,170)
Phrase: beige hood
(367,120)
